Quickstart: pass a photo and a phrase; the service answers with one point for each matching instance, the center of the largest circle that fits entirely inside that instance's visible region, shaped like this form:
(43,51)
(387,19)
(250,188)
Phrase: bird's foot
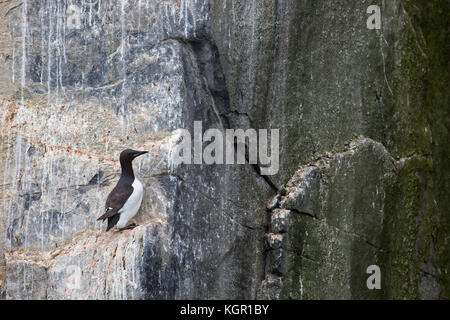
(129,227)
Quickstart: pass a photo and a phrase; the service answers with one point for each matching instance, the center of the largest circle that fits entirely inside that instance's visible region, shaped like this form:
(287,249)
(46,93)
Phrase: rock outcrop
(326,227)
(364,168)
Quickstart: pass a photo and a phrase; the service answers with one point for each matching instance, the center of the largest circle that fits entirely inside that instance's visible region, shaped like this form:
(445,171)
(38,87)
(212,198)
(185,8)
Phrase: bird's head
(128,155)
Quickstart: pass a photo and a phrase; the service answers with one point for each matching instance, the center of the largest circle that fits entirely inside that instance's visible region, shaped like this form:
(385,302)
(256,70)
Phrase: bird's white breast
(132,205)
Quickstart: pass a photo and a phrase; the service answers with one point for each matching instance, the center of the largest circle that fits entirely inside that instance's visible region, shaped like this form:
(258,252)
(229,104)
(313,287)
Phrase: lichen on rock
(363,120)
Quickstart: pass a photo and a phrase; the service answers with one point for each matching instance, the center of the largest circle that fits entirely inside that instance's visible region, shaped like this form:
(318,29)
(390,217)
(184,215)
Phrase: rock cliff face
(363,177)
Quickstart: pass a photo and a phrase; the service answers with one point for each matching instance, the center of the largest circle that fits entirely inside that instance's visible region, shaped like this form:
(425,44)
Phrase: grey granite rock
(129,75)
(363,158)
(330,246)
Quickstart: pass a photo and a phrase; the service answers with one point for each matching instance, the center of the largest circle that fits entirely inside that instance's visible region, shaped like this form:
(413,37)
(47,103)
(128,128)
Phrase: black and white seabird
(125,199)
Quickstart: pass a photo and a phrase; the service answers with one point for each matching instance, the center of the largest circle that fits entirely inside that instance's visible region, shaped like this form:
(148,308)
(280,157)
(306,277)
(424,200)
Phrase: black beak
(139,153)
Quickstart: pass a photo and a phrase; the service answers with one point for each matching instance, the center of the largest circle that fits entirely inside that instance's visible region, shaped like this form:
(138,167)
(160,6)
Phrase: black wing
(116,199)
(112,221)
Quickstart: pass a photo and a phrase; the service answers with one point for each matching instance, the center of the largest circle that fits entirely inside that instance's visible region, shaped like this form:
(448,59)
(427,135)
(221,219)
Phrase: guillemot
(125,199)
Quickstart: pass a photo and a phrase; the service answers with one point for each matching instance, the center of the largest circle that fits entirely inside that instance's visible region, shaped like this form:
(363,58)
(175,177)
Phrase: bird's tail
(107,214)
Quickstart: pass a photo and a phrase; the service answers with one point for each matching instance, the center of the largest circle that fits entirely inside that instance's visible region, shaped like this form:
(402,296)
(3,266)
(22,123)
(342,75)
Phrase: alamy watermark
(374,280)
(235,146)
(73,282)
(374,20)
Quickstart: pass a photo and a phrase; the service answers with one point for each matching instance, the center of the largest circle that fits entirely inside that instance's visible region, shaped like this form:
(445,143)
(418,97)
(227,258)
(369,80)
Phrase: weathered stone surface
(333,245)
(303,191)
(315,68)
(129,76)
(81,81)
(311,66)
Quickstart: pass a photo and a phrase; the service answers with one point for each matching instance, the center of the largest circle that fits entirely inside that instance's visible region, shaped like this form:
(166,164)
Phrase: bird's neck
(127,171)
